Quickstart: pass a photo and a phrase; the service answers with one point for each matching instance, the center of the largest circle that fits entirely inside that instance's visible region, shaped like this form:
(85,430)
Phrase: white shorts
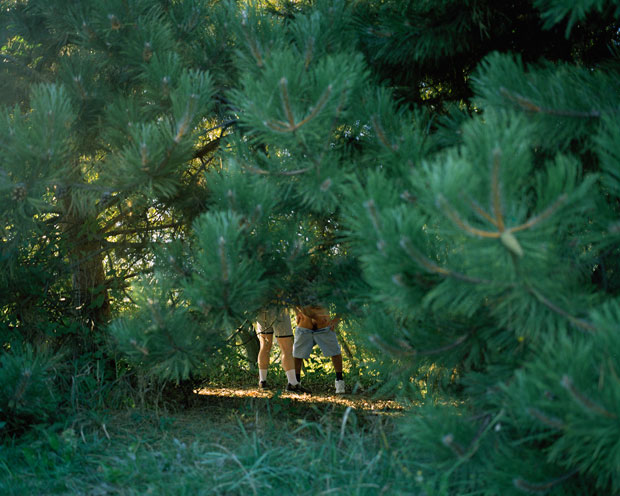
(274,321)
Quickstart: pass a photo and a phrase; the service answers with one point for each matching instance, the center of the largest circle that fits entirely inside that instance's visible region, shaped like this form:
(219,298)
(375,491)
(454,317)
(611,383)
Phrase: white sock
(292,379)
(262,375)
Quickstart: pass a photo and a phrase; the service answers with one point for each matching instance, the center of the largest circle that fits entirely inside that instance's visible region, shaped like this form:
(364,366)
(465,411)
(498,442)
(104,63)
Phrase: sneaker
(263,385)
(297,388)
(340,387)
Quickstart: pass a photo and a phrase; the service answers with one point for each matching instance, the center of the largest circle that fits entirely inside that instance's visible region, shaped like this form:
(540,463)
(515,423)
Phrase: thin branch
(224,125)
(23,67)
(328,141)
(290,127)
(318,107)
(286,104)
(568,384)
(541,487)
(278,126)
(203,167)
(258,170)
(123,244)
(416,256)
(528,105)
(143,229)
(207,148)
(545,419)
(441,349)
(542,216)
(380,132)
(454,216)
(486,424)
(394,350)
(582,324)
(495,187)
(480,211)
(369,205)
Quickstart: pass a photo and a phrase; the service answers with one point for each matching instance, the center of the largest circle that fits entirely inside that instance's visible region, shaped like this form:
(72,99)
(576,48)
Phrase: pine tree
(109,122)
(109,119)
(475,240)
(444,174)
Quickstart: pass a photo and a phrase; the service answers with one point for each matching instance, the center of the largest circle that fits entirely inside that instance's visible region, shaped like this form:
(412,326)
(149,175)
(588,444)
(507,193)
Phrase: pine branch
(582,324)
(370,207)
(214,144)
(452,214)
(545,419)
(495,188)
(258,170)
(528,105)
(504,234)
(457,449)
(542,216)
(480,211)
(541,487)
(568,384)
(137,230)
(405,349)
(291,126)
(329,135)
(380,132)
(23,67)
(416,256)
(436,351)
(222,253)
(254,48)
(466,453)
(211,146)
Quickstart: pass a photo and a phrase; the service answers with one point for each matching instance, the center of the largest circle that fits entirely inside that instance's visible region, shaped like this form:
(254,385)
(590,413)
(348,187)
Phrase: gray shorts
(305,339)
(274,321)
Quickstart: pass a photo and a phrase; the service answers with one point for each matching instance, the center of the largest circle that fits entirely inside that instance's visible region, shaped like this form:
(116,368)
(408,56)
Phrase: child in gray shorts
(315,326)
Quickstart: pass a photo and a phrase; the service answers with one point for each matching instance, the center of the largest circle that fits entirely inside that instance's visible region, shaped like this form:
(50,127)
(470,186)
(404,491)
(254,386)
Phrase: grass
(234,440)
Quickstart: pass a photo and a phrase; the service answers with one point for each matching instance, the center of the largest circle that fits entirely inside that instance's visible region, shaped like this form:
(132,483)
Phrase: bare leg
(286,346)
(337,361)
(266,342)
(298,363)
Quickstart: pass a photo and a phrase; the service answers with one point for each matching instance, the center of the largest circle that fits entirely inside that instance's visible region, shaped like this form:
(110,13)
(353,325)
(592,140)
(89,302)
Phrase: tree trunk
(90,298)
(249,340)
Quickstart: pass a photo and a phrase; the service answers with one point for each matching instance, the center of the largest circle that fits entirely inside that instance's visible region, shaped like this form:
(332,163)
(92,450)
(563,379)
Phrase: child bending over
(316,326)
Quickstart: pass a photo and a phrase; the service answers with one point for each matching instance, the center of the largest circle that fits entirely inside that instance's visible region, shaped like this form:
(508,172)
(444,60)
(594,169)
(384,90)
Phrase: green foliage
(567,398)
(443,174)
(29,394)
(563,114)
(233,286)
(554,11)
(219,450)
(163,338)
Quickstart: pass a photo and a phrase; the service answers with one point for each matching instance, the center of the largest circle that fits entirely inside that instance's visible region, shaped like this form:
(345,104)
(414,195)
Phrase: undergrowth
(223,446)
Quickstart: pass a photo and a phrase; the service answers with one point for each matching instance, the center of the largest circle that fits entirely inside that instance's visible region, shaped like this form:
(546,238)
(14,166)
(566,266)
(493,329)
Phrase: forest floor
(225,440)
(362,402)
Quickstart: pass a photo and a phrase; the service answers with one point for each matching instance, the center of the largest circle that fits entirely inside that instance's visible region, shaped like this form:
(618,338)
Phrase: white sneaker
(340,387)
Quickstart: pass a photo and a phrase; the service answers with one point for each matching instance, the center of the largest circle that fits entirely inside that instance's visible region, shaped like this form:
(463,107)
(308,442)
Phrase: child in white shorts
(276,321)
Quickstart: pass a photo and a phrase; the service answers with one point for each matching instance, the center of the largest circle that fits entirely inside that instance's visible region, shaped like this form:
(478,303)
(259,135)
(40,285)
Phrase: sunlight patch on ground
(355,401)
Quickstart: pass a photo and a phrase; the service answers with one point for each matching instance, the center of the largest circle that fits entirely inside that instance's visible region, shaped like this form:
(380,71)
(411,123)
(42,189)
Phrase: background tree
(110,118)
(103,154)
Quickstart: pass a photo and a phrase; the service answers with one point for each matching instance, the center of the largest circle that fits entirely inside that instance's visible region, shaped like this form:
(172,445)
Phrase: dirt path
(361,402)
